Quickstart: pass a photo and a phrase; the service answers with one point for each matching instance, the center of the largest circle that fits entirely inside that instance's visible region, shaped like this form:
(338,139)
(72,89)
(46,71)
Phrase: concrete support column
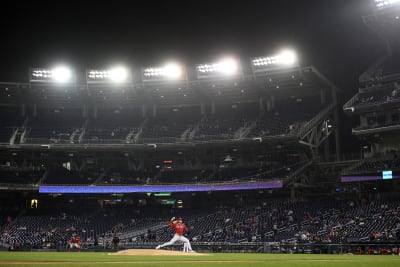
(84,112)
(95,111)
(202,108)
(34,110)
(144,110)
(272,98)
(261,104)
(154,110)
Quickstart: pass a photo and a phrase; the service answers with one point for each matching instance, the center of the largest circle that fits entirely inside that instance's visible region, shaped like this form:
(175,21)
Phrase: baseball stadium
(242,159)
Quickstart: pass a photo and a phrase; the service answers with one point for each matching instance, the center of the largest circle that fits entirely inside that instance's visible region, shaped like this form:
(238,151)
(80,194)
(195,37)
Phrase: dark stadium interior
(294,151)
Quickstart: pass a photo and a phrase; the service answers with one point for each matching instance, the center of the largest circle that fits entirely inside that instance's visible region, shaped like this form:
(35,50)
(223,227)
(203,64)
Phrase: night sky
(329,34)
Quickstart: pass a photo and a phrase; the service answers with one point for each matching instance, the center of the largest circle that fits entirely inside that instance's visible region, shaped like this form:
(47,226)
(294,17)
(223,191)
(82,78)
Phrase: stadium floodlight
(385,3)
(228,66)
(225,67)
(286,58)
(59,74)
(171,71)
(118,74)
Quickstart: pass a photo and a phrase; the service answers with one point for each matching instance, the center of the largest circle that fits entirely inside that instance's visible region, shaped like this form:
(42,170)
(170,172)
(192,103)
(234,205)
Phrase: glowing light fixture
(385,3)
(118,74)
(59,74)
(225,67)
(287,58)
(171,71)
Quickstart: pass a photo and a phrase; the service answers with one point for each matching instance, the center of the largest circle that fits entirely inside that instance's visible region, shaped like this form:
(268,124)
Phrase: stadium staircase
(186,134)
(371,72)
(43,178)
(19,133)
(17,136)
(101,177)
(139,133)
(195,129)
(244,131)
(308,126)
(349,106)
(292,177)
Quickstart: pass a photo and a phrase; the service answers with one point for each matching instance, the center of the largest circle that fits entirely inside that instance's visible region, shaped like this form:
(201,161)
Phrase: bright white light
(169,71)
(288,57)
(385,3)
(173,70)
(285,58)
(228,66)
(117,74)
(98,74)
(61,74)
(204,68)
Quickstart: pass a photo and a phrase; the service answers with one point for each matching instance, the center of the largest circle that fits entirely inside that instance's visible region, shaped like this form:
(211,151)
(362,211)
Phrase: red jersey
(75,240)
(179,228)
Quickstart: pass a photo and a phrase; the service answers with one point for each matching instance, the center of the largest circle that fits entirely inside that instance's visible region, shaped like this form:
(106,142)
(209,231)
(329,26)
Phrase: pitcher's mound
(153,252)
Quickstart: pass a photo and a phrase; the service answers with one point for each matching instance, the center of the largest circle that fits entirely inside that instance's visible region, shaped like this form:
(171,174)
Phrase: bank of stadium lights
(171,71)
(225,67)
(60,74)
(284,59)
(114,75)
(385,3)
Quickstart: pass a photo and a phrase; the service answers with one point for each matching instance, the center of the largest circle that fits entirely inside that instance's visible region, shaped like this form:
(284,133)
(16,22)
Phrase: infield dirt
(154,252)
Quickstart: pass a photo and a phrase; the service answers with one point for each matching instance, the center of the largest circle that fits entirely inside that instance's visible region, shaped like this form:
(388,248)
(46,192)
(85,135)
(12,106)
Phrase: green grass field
(81,259)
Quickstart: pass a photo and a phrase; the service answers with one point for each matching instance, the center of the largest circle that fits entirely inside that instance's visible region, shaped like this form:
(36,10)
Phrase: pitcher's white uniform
(179,228)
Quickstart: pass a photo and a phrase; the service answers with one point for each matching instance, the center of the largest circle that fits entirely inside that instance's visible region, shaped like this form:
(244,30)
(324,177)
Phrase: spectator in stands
(17,245)
(115,242)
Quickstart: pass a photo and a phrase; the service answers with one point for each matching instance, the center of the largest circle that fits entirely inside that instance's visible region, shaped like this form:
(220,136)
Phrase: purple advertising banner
(348,179)
(108,189)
